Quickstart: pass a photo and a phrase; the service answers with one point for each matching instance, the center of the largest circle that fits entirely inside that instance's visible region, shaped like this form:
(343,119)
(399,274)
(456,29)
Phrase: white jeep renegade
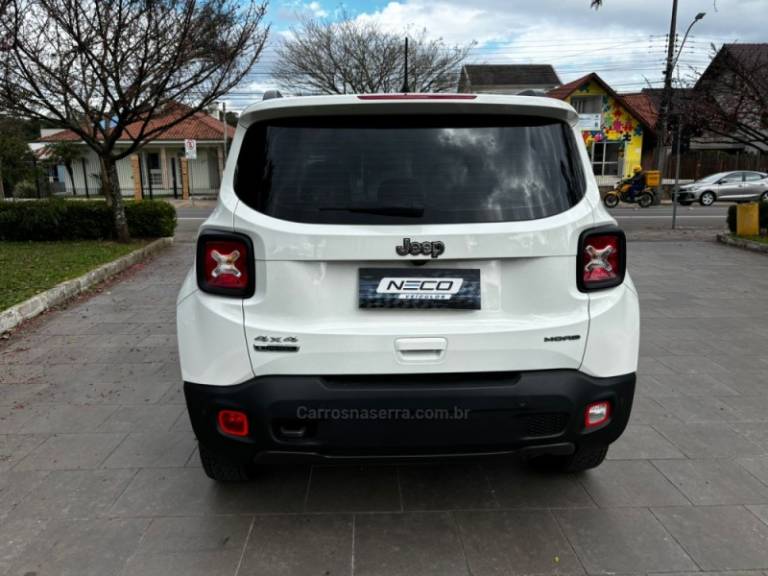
(408,275)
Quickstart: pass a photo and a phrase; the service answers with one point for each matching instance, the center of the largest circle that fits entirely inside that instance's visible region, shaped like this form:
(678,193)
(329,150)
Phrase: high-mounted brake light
(417,96)
(602,259)
(225,264)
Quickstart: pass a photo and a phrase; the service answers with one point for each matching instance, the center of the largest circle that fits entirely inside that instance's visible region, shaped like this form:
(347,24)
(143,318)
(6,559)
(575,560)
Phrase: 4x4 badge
(433,249)
(276,344)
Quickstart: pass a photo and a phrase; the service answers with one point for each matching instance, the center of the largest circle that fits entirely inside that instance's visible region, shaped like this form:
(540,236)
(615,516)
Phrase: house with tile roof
(159,168)
(507,78)
(616,132)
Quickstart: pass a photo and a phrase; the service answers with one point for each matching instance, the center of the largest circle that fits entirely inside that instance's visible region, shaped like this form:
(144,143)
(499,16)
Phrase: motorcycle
(620,193)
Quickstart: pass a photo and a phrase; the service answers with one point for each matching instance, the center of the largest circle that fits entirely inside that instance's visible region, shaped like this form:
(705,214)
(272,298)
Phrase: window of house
(153,167)
(153,160)
(606,158)
(587,104)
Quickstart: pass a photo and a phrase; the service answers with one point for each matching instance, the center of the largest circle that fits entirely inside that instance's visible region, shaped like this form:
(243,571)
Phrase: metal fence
(40,183)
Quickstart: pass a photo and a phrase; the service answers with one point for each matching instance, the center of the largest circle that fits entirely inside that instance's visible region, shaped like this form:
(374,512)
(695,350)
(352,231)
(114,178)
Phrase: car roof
(351,104)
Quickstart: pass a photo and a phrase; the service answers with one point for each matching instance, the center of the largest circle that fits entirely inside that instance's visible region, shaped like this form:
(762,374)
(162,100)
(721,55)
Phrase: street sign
(590,121)
(190,149)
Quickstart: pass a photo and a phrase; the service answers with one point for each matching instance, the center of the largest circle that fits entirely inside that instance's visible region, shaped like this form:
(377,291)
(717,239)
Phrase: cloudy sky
(624,41)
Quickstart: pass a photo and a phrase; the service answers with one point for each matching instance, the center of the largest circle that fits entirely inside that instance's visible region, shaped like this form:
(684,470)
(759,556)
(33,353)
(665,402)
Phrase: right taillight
(602,259)
(225,264)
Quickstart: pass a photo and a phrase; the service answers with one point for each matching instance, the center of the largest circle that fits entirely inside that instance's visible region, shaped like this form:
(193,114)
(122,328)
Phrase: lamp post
(679,126)
(667,91)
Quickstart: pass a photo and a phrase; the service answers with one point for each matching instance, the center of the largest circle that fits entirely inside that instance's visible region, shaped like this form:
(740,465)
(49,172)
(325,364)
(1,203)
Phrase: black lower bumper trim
(406,416)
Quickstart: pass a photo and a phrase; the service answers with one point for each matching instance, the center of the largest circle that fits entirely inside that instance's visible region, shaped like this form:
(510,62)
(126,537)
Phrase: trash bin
(748,219)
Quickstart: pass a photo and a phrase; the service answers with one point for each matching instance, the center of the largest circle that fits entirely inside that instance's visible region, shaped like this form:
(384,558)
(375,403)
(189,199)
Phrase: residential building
(614,131)
(731,97)
(507,78)
(156,169)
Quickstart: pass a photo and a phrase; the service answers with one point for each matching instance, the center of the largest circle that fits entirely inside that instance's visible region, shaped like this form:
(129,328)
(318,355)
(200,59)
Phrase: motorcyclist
(636,182)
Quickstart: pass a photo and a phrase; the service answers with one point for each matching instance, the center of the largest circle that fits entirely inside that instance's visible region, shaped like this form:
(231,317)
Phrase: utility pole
(666,94)
(676,188)
(406,88)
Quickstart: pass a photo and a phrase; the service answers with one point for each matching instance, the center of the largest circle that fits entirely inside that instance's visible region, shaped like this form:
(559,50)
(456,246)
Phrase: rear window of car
(410,169)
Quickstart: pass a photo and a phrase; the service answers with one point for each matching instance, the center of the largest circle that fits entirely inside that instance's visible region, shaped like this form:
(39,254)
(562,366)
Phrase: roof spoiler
(269,94)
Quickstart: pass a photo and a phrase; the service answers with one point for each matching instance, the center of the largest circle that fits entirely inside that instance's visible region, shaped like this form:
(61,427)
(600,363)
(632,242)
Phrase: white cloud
(624,41)
(316,9)
(454,23)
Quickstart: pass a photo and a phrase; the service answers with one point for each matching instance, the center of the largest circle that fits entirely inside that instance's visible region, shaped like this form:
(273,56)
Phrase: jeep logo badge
(433,249)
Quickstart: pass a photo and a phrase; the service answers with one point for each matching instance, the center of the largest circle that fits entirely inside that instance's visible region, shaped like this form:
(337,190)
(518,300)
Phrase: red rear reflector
(225,264)
(417,96)
(597,414)
(601,260)
(233,422)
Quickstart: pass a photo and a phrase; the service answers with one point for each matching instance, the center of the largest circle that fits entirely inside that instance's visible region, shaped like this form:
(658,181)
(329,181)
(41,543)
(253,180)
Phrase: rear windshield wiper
(407,211)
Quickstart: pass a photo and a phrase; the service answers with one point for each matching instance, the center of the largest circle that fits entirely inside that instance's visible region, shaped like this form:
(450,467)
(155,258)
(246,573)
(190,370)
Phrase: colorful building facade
(612,130)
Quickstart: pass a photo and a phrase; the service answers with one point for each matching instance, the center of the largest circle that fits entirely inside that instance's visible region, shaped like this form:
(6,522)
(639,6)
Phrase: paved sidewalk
(99,472)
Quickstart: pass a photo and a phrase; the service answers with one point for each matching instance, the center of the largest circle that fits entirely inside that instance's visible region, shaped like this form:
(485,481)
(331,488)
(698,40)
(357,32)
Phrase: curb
(68,289)
(743,243)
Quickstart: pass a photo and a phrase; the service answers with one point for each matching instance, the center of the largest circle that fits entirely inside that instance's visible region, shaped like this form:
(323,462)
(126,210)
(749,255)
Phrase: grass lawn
(28,268)
(761,239)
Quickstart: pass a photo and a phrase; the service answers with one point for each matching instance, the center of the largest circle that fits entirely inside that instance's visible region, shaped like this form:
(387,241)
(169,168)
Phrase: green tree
(16,158)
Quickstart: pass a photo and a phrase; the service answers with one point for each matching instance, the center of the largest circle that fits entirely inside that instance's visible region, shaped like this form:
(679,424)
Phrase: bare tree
(97,67)
(351,56)
(729,102)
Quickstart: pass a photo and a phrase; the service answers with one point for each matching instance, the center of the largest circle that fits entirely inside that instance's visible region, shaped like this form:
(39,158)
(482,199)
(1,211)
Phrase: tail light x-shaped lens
(225,264)
(602,261)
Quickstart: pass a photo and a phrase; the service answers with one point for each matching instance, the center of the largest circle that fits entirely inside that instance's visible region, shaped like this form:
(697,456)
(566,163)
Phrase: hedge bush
(763,210)
(150,219)
(82,220)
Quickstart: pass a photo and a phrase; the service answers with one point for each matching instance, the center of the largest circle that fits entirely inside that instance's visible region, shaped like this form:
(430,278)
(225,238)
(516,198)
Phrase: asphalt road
(660,217)
(630,217)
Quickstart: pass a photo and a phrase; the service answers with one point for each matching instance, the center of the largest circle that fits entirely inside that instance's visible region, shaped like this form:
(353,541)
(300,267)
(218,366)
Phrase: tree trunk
(106,186)
(110,186)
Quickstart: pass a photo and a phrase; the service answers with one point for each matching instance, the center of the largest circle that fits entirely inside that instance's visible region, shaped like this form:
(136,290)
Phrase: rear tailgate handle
(420,350)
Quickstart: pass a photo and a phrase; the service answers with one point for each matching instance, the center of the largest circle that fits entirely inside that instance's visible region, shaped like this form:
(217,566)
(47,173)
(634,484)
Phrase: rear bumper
(416,415)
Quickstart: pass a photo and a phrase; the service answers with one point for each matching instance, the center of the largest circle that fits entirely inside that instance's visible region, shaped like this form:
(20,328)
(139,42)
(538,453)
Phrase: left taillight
(225,264)
(602,259)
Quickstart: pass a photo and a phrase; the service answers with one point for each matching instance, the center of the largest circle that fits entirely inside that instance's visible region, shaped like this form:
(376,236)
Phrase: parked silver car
(737,186)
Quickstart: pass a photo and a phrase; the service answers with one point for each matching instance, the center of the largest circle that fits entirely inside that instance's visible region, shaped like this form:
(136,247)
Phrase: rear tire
(611,200)
(645,200)
(221,470)
(707,198)
(585,458)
